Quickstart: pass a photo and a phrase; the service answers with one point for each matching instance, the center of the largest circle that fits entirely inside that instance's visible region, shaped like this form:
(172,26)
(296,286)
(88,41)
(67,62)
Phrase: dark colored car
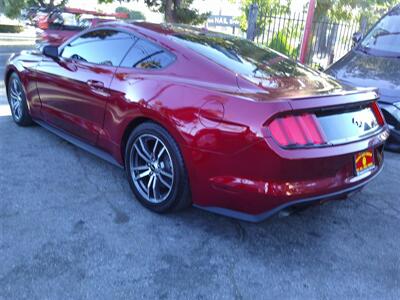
(203,118)
(375,62)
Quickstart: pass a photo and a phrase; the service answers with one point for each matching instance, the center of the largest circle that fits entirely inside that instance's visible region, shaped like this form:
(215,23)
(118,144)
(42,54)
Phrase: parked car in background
(57,26)
(202,118)
(375,61)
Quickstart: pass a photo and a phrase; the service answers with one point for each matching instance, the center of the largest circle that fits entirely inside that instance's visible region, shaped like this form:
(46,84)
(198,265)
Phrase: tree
(341,10)
(13,8)
(175,11)
(132,14)
(362,11)
(265,7)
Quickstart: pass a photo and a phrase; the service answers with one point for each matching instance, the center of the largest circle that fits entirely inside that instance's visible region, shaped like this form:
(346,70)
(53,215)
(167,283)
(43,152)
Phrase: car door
(74,89)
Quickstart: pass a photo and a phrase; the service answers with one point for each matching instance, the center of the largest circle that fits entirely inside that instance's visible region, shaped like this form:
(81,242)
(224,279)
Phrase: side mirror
(50,51)
(357,36)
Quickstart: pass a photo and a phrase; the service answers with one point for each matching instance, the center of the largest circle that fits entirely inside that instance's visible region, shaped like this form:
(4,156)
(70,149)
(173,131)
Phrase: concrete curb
(17,37)
(16,42)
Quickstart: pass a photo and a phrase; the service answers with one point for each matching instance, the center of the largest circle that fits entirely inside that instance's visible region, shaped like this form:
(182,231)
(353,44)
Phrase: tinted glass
(103,47)
(240,55)
(261,66)
(146,55)
(384,38)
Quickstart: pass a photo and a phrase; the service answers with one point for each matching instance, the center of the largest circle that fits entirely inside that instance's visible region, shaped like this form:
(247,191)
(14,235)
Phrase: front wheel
(17,100)
(156,170)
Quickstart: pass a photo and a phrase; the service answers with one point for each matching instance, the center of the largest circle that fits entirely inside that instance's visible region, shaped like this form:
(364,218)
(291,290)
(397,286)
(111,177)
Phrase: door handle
(95,84)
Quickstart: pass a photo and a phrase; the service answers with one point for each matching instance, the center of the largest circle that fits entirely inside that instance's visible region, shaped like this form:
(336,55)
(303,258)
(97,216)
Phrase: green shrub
(5,28)
(281,43)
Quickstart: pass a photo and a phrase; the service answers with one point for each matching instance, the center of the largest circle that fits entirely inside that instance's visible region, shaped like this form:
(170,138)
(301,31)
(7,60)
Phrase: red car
(201,118)
(59,25)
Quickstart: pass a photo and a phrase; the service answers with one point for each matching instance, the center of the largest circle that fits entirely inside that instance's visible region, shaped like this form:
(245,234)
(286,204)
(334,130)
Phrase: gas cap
(211,113)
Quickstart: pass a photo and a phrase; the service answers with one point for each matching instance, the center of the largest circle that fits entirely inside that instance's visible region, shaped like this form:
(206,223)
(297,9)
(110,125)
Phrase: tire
(17,101)
(156,170)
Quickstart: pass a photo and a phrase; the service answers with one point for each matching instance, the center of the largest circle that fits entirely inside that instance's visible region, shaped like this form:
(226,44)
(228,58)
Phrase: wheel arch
(127,131)
(184,198)
(133,123)
(7,76)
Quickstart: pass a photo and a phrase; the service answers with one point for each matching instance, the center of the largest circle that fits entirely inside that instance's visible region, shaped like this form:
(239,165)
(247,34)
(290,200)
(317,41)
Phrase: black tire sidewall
(180,175)
(25,118)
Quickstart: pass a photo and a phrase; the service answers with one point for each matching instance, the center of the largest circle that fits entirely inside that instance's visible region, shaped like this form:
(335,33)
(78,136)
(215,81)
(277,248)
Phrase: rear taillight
(378,114)
(297,131)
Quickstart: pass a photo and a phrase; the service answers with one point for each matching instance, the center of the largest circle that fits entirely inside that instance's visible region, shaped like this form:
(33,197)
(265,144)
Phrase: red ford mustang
(200,118)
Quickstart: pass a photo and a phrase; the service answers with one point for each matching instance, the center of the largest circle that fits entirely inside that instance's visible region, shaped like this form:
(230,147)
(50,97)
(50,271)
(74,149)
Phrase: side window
(103,47)
(146,55)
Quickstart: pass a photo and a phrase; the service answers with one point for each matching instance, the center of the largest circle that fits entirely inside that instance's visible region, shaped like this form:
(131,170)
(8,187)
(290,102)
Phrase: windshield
(384,38)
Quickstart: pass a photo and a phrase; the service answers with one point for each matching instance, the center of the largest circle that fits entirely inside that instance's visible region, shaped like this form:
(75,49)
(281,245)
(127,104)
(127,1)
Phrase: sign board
(227,21)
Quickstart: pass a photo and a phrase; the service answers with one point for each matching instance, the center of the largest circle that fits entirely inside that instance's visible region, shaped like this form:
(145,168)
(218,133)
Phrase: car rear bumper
(309,200)
(265,180)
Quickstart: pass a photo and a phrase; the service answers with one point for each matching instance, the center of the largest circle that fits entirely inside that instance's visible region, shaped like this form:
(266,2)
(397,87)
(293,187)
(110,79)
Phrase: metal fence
(284,33)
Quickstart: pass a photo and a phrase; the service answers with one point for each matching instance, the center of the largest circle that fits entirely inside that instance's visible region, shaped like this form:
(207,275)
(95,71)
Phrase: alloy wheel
(151,168)
(16,98)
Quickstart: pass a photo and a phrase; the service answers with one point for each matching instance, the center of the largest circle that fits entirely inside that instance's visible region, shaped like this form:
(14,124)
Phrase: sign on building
(228,21)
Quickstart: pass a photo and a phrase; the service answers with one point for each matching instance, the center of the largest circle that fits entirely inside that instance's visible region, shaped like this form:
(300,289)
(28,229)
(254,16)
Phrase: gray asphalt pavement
(71,229)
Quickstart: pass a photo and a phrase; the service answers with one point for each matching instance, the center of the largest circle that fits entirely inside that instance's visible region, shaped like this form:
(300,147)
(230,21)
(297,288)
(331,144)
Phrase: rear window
(239,55)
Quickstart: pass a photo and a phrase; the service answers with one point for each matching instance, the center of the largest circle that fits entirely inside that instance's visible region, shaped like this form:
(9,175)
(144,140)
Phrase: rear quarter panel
(211,117)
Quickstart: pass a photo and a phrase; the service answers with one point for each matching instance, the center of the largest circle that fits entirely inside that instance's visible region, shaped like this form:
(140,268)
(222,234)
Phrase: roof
(169,29)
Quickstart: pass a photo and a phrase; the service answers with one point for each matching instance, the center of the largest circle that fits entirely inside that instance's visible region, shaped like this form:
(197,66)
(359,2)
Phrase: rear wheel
(155,169)
(17,101)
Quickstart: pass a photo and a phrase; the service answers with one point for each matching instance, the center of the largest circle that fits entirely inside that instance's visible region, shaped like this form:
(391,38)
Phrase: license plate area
(364,161)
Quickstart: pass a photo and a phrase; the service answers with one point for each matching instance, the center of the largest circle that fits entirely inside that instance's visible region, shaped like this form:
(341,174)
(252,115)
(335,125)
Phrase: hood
(364,70)
(26,59)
